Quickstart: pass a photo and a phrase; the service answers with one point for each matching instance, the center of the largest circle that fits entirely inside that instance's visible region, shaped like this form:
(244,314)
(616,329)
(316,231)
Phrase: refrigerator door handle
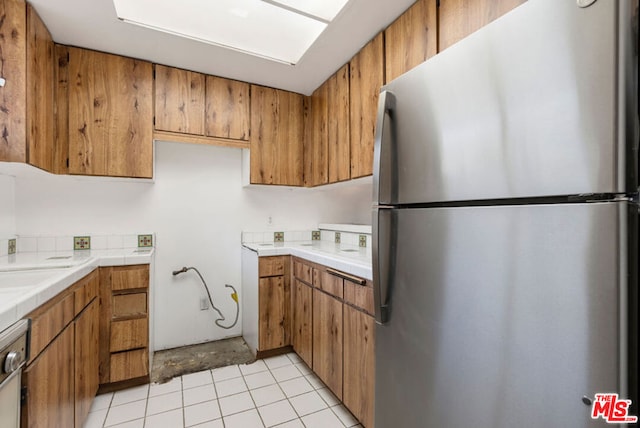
(383,262)
(384,179)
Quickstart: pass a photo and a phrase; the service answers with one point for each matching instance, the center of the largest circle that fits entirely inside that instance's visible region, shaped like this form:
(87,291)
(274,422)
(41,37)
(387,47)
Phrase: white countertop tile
(347,258)
(22,289)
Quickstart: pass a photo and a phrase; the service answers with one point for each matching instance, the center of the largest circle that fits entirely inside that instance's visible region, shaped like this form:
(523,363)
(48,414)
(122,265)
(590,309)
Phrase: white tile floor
(275,392)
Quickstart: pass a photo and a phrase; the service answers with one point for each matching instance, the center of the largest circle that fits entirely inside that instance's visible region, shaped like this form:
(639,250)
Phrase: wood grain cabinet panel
(366,78)
(110,115)
(50,384)
(303,272)
(129,334)
(40,92)
(129,365)
(271,266)
(86,360)
(179,100)
(359,364)
(272,328)
(302,321)
(129,305)
(459,18)
(277,131)
(13,94)
(130,277)
(338,127)
(327,340)
(316,154)
(227,108)
(49,320)
(412,38)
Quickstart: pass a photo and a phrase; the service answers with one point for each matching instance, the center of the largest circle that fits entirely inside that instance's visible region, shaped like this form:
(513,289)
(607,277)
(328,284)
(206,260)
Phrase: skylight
(279,30)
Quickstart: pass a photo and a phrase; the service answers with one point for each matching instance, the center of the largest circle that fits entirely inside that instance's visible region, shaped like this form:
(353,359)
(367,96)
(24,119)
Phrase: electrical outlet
(337,240)
(81,242)
(204,304)
(145,241)
(12,246)
(362,240)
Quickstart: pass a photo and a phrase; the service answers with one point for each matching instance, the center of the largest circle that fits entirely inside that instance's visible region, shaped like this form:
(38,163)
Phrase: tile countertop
(346,258)
(27,280)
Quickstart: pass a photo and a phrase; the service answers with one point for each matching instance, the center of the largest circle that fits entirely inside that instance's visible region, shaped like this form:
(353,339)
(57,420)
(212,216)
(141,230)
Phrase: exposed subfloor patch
(170,363)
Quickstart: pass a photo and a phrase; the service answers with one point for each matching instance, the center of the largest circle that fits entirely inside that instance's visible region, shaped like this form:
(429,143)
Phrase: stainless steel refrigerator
(506,224)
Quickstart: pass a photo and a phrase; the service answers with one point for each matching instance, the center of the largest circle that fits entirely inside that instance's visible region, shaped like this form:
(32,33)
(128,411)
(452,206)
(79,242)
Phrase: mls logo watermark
(612,409)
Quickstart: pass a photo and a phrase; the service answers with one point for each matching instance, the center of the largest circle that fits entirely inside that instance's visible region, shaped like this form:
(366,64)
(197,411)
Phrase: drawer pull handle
(346,276)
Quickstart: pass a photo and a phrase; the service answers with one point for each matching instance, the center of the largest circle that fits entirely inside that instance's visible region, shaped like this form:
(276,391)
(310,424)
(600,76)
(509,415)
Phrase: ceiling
(93,24)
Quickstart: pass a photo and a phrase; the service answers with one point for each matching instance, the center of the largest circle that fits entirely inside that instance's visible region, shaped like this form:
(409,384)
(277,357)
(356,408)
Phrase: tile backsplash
(335,235)
(39,243)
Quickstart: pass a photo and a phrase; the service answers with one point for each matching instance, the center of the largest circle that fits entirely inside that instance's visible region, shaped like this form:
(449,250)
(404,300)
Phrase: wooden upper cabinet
(366,79)
(316,156)
(276,136)
(40,92)
(411,39)
(459,18)
(180,100)
(110,115)
(338,126)
(13,93)
(227,108)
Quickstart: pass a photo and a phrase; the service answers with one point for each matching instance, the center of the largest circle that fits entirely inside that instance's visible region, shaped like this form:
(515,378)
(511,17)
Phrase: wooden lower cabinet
(359,364)
(272,303)
(327,340)
(302,321)
(49,380)
(124,324)
(61,376)
(86,360)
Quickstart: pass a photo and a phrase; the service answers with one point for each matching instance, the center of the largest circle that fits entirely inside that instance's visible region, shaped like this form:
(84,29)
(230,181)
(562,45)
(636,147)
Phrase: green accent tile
(315,235)
(12,246)
(278,236)
(81,242)
(337,237)
(362,240)
(145,241)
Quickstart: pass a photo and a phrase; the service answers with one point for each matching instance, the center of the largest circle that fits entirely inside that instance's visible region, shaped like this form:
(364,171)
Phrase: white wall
(197,207)
(7,207)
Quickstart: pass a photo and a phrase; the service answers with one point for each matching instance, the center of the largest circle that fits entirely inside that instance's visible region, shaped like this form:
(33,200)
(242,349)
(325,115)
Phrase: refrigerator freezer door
(503,316)
(526,107)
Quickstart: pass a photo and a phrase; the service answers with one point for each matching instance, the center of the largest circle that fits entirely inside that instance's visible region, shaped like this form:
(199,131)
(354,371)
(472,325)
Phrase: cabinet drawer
(128,305)
(130,277)
(49,320)
(129,365)
(358,295)
(86,291)
(129,334)
(330,283)
(270,266)
(303,272)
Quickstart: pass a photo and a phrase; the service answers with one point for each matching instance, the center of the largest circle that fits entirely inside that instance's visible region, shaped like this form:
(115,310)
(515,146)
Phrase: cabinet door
(411,39)
(338,127)
(276,136)
(50,385)
(272,331)
(179,99)
(227,108)
(86,360)
(110,115)
(327,340)
(359,364)
(302,327)
(40,92)
(316,156)
(366,79)
(459,18)
(13,93)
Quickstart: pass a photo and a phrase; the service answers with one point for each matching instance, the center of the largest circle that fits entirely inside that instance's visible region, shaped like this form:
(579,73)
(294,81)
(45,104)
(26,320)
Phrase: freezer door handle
(384,177)
(383,262)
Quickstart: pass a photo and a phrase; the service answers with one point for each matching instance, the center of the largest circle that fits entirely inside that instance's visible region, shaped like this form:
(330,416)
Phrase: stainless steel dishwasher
(14,351)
